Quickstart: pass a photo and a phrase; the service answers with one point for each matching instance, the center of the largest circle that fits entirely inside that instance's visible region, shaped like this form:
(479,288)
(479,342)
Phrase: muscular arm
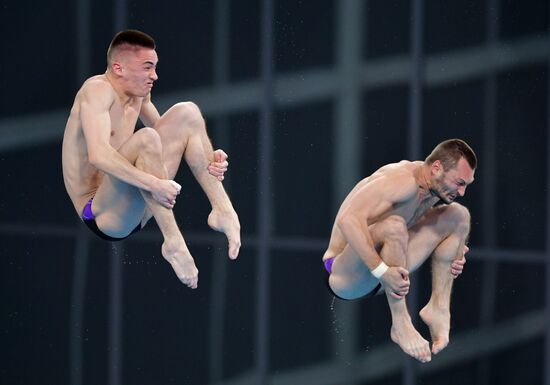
(373,200)
(97,99)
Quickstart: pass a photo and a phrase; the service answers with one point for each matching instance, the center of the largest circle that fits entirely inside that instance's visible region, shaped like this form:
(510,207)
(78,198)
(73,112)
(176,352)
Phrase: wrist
(151,182)
(379,270)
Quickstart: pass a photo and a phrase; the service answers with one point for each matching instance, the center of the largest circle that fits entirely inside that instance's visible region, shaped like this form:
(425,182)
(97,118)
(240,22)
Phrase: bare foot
(227,223)
(177,254)
(405,335)
(439,322)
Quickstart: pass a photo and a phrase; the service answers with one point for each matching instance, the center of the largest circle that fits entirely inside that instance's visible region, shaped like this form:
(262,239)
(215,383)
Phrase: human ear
(437,167)
(117,68)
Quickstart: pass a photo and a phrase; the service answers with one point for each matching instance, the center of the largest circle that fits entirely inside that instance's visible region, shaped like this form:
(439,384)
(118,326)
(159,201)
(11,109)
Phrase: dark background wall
(77,310)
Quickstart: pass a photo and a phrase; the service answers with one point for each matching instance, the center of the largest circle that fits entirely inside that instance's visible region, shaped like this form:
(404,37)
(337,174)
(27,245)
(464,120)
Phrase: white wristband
(380,270)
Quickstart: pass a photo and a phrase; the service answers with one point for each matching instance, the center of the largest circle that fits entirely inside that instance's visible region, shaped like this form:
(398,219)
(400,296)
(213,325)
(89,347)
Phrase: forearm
(149,114)
(111,162)
(357,235)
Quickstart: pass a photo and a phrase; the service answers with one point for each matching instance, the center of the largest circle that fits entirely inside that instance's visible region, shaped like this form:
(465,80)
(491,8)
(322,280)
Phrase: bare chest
(123,123)
(414,210)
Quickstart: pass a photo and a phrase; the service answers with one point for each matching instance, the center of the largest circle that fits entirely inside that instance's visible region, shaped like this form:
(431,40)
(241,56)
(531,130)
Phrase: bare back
(402,175)
(80,177)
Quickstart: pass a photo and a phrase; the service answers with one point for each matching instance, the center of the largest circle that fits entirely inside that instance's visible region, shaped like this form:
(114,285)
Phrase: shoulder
(97,90)
(97,85)
(396,181)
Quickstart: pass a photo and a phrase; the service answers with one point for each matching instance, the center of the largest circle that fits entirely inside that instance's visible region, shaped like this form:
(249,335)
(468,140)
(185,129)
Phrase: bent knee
(393,228)
(149,139)
(189,112)
(457,215)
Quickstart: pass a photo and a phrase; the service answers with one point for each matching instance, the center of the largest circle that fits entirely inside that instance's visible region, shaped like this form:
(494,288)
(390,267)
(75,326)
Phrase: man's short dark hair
(132,38)
(449,153)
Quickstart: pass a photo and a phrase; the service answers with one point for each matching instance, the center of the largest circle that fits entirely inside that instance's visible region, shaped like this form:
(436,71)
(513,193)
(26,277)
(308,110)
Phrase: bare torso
(80,177)
(410,210)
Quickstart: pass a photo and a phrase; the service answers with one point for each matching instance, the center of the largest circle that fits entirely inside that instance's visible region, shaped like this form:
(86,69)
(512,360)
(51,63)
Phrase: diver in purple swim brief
(104,154)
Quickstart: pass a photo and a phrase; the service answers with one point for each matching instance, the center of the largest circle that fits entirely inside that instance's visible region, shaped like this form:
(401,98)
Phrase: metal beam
(346,135)
(414,144)
(116,305)
(303,87)
(116,277)
(265,209)
(547,243)
(76,312)
(218,286)
(488,293)
(278,243)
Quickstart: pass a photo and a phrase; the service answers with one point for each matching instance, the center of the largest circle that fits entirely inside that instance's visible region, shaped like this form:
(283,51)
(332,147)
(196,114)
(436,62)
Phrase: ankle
(401,319)
(222,208)
(173,244)
(437,305)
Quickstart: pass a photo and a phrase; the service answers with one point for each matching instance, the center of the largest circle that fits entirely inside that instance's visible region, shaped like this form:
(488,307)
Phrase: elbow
(350,220)
(345,221)
(94,160)
(99,156)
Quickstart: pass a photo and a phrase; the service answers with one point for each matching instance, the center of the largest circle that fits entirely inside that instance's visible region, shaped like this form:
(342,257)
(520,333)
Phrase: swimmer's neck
(422,176)
(124,97)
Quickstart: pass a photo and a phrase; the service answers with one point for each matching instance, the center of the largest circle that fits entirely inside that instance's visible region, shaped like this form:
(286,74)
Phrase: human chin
(142,92)
(442,196)
(445,199)
(448,198)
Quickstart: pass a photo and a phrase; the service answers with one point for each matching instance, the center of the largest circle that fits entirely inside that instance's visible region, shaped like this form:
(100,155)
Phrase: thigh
(182,130)
(117,205)
(427,234)
(351,278)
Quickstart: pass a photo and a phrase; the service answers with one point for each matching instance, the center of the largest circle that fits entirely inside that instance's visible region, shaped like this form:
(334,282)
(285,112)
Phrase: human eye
(149,66)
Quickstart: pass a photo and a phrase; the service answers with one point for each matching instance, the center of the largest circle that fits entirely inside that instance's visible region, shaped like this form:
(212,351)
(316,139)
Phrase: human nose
(154,75)
(462,191)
